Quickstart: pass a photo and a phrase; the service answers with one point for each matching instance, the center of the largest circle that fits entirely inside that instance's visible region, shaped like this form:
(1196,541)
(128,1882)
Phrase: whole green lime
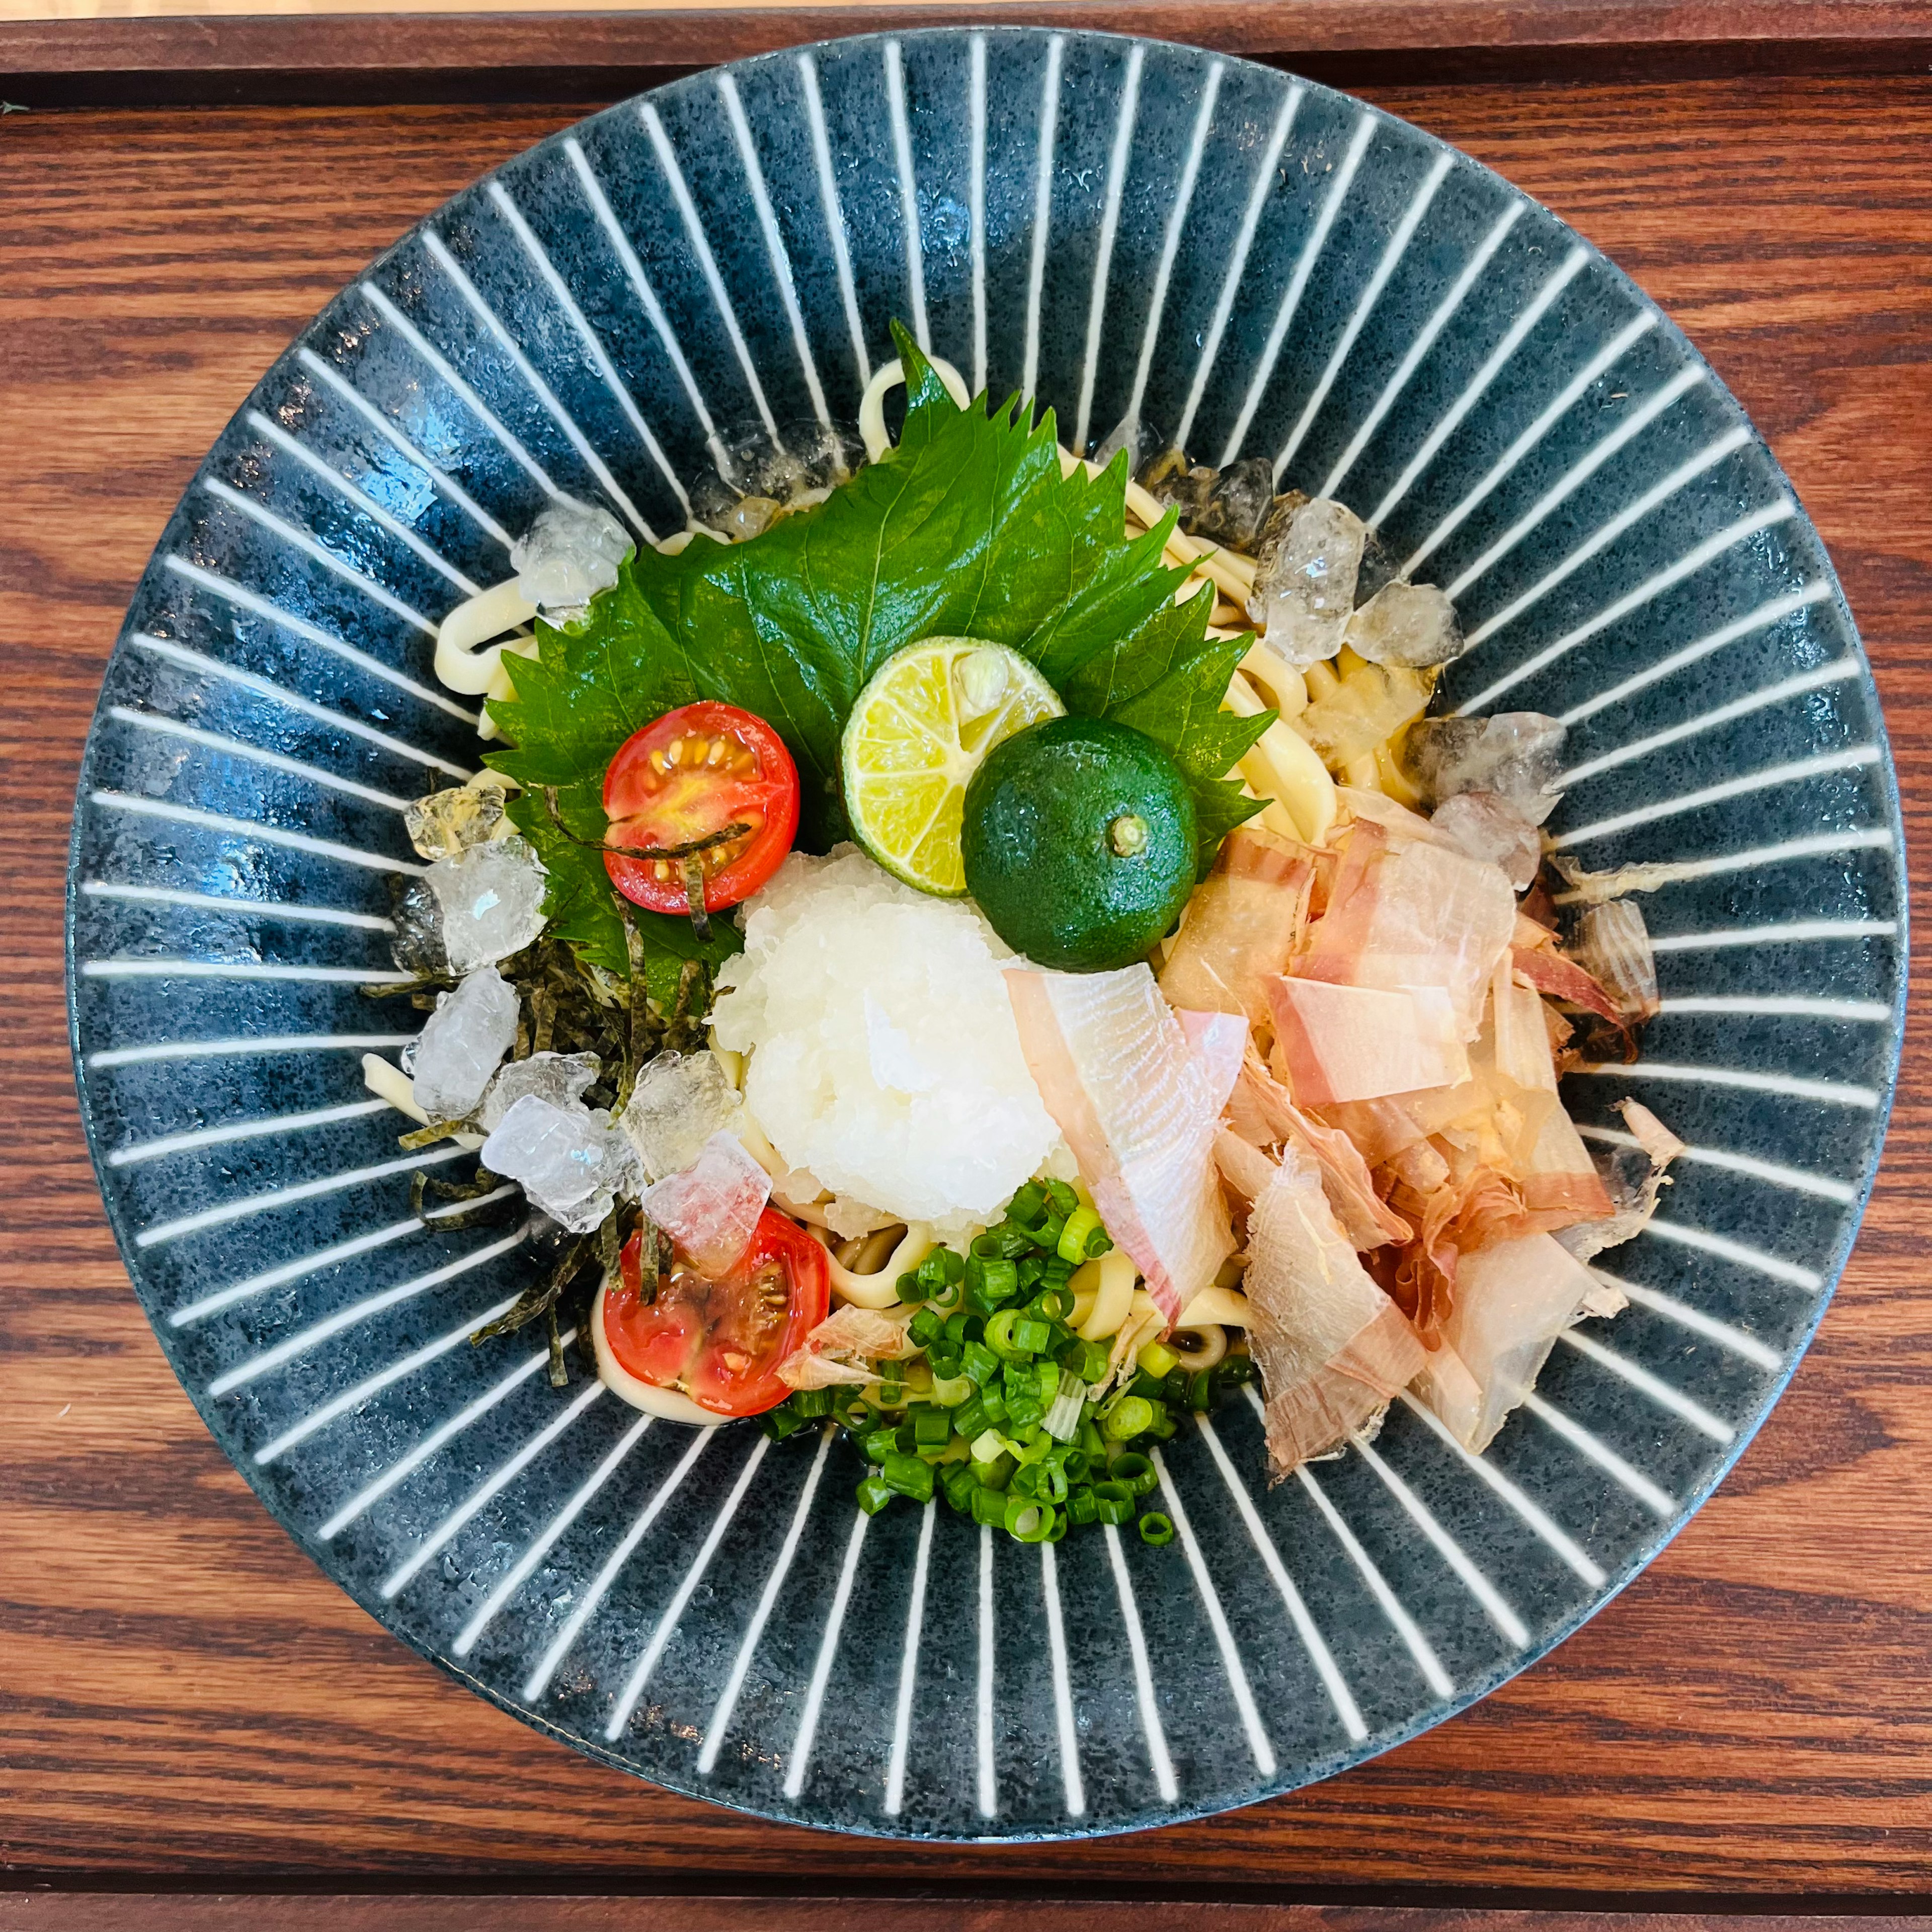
(1079,842)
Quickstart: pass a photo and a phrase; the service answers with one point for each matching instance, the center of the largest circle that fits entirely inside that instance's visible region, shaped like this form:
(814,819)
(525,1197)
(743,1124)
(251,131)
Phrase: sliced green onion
(813,1403)
(1081,1506)
(925,1328)
(1085,1359)
(781,1421)
(1081,1224)
(1200,1391)
(989,1506)
(1156,1528)
(978,1361)
(931,1428)
(951,1391)
(1000,1335)
(1026,1521)
(1132,1415)
(1027,1202)
(878,1444)
(988,1445)
(910,1287)
(1046,1380)
(1065,1201)
(1114,1502)
(1231,1371)
(956,1480)
(1157,1360)
(1136,1471)
(875,1492)
(996,1474)
(908,1476)
(1029,1333)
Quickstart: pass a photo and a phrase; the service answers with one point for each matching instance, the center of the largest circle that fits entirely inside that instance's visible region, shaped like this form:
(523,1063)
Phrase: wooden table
(182,1697)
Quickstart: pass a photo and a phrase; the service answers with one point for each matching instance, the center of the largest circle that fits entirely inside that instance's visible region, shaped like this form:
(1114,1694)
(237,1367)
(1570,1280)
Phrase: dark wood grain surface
(182,1693)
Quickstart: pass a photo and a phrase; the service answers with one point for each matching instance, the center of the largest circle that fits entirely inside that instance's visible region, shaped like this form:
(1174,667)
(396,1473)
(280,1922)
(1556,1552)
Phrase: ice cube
(492,898)
(681,1099)
(567,556)
(558,1078)
(711,1209)
(1489,828)
(448,822)
(461,1045)
(1516,754)
(1412,625)
(418,947)
(1237,504)
(572,1164)
(1305,589)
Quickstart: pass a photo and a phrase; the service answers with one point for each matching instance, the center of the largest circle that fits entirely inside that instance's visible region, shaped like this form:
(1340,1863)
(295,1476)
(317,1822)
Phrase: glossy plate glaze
(1252,265)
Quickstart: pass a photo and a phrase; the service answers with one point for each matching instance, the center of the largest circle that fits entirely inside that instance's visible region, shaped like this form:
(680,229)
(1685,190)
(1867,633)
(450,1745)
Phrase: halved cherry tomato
(692,774)
(721,1342)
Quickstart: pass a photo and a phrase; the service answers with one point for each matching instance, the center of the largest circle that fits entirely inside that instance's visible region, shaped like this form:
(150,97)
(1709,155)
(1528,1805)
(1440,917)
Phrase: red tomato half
(696,771)
(721,1342)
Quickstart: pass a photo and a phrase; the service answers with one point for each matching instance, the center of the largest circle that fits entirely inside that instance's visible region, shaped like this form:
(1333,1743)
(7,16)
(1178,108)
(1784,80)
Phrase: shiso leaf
(966,529)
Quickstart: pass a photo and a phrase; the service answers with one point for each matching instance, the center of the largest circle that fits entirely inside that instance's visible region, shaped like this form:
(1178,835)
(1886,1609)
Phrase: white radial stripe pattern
(641,285)
(276,909)
(223,969)
(329,1257)
(1565,399)
(1823,764)
(1312,1640)
(1042,209)
(1640,1379)
(1110,224)
(478,407)
(546,1540)
(983,1729)
(1405,1626)
(828,1651)
(1747,1347)
(1791,1085)
(667,1624)
(1823,1186)
(727,1702)
(1311,251)
(573,433)
(1498,358)
(1793,1006)
(1451,1552)
(707,263)
(1566,1546)
(589,1603)
(263,1044)
(975,204)
(1177,220)
(1263,180)
(406,1465)
(331,1325)
(243,1130)
(250,828)
(895,1766)
(257,605)
(300,540)
(1579,473)
(1818,845)
(614,384)
(915,252)
(775,248)
(263,687)
(1164,1781)
(1258,1746)
(273,432)
(287,1196)
(1411,360)
(834,214)
(1065,1731)
(1775,611)
(390,434)
(233,747)
(371,1385)
(1842,672)
(1658,1501)
(1619,526)
(1391,259)
(1783,932)
(446,1531)
(1681,1235)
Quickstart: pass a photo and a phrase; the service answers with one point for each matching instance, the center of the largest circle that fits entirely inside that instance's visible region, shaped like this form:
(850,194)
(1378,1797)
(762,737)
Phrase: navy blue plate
(1250,262)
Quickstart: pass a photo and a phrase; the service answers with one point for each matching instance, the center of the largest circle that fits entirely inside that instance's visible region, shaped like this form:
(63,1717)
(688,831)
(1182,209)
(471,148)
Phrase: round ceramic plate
(1239,260)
